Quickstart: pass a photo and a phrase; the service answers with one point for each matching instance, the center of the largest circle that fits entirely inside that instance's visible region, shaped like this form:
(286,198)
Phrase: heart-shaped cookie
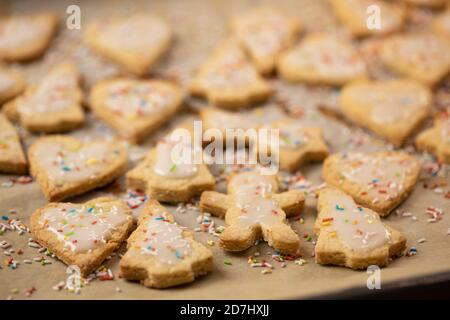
(12,158)
(379,181)
(26,37)
(135,108)
(11,84)
(322,59)
(424,57)
(135,42)
(82,234)
(228,79)
(51,106)
(392,109)
(359,16)
(64,166)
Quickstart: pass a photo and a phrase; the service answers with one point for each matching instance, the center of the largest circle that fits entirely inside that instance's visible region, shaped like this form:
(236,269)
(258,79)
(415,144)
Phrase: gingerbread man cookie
(322,59)
(392,109)
(26,37)
(162,253)
(436,140)
(352,236)
(85,234)
(135,108)
(379,181)
(135,42)
(421,56)
(227,79)
(64,166)
(355,15)
(253,209)
(52,106)
(11,84)
(264,33)
(170,172)
(12,158)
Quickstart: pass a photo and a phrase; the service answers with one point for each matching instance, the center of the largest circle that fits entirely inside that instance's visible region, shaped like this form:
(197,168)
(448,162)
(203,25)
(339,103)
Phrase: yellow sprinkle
(302,221)
(333,234)
(326,223)
(91,161)
(74,146)
(131,116)
(355,222)
(210,243)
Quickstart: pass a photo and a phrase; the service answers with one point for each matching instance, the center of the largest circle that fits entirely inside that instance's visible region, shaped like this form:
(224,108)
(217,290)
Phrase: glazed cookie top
(360,229)
(389,101)
(133,99)
(425,56)
(327,56)
(9,139)
(252,196)
(263,31)
(163,238)
(175,158)
(19,31)
(74,161)
(57,92)
(82,228)
(229,68)
(137,33)
(382,175)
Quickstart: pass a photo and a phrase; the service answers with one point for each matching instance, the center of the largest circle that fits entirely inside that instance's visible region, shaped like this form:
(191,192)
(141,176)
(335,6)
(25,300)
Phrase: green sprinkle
(227,262)
(173,168)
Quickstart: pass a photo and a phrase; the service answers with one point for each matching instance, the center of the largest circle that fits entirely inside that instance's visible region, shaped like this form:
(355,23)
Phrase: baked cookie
(298,144)
(354,14)
(170,172)
(436,140)
(64,166)
(264,33)
(162,253)
(26,37)
(11,84)
(253,209)
(227,79)
(221,120)
(421,56)
(432,4)
(380,181)
(392,109)
(12,158)
(135,42)
(352,236)
(84,234)
(135,108)
(53,105)
(441,24)
(322,59)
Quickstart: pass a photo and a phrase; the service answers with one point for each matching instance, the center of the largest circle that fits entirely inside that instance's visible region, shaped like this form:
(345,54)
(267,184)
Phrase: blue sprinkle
(6,218)
(65,168)
(178,254)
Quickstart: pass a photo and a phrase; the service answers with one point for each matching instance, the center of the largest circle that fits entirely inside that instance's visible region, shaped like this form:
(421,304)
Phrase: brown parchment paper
(198,26)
